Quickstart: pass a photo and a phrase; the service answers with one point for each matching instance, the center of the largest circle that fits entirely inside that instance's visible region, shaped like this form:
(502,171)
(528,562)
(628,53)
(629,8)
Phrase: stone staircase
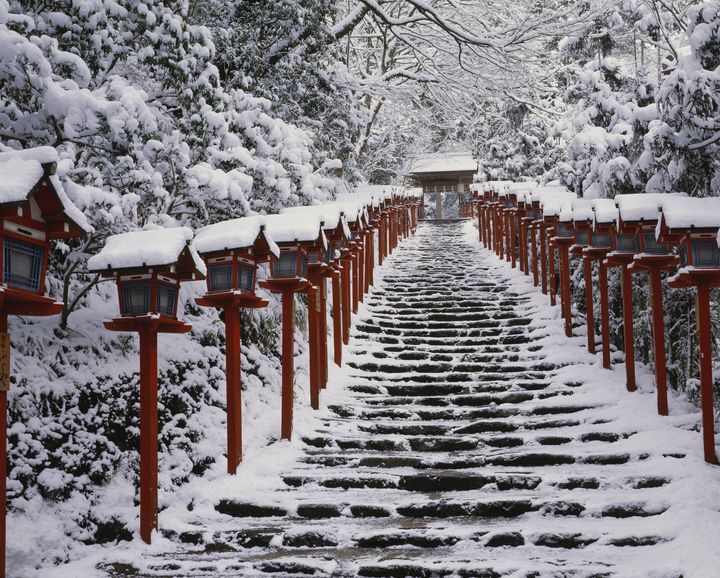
(460,451)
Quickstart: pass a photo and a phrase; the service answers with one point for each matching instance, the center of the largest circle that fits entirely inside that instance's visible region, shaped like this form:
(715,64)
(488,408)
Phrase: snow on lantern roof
(332,216)
(582,210)
(233,234)
(21,173)
(688,213)
(606,212)
(290,228)
(145,249)
(641,206)
(557,206)
(18,179)
(444,163)
(353,211)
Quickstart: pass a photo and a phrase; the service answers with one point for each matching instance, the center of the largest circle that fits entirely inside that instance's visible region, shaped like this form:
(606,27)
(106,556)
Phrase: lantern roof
(150,248)
(289,228)
(553,204)
(582,210)
(332,216)
(29,174)
(606,212)
(235,234)
(691,213)
(444,163)
(642,206)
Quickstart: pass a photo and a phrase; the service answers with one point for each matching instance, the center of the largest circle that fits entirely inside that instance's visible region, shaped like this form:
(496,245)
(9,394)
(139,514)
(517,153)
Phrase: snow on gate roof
(146,248)
(444,163)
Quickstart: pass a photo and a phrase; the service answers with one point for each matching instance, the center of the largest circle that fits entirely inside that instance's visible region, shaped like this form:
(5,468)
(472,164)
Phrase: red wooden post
(706,371)
(659,339)
(346,265)
(589,304)
(551,267)
(369,254)
(288,363)
(543,259)
(508,236)
(481,225)
(361,269)
(314,346)
(337,318)
(355,280)
(534,252)
(3,461)
(148,433)
(323,330)
(513,239)
(565,289)
(628,327)
(522,242)
(605,313)
(234,391)
(526,250)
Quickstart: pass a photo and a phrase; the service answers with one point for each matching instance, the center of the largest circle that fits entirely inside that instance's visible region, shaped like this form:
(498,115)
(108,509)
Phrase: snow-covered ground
(459,439)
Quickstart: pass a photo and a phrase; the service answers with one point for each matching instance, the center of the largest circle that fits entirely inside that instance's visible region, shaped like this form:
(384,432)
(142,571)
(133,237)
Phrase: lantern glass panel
(706,253)
(22,265)
(285,266)
(566,230)
(166,297)
(246,278)
(627,244)
(582,237)
(682,252)
(651,245)
(221,277)
(136,299)
(601,239)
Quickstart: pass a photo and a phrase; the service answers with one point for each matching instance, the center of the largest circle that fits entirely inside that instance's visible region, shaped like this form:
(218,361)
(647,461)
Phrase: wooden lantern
(35,211)
(296,239)
(148,267)
(626,245)
(565,239)
(643,212)
(600,244)
(232,251)
(693,225)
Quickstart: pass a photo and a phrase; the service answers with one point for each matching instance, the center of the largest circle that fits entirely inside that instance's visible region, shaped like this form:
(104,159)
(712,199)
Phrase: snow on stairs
(458,455)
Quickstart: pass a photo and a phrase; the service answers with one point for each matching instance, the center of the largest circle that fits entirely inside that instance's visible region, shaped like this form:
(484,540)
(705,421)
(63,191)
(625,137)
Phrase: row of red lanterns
(533,228)
(304,247)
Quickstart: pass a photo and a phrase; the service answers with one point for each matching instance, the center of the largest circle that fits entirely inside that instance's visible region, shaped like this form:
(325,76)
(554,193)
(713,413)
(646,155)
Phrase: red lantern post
(642,211)
(297,239)
(696,223)
(232,251)
(148,267)
(35,211)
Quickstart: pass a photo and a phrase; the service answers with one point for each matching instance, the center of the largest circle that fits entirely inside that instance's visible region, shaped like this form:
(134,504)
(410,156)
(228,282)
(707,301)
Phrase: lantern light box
(35,210)
(605,214)
(148,266)
(296,237)
(693,225)
(232,251)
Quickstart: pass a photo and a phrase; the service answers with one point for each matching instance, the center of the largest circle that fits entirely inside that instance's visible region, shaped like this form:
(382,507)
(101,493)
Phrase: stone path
(466,446)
